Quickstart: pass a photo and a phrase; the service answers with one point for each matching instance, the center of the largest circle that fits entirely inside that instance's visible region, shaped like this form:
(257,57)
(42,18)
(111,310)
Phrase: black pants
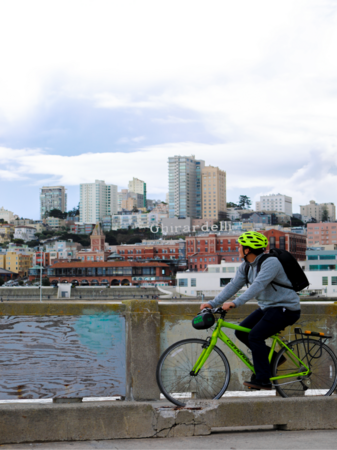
(263,324)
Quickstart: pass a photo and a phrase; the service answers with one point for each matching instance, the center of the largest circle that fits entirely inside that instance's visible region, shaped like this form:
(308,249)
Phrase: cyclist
(279,307)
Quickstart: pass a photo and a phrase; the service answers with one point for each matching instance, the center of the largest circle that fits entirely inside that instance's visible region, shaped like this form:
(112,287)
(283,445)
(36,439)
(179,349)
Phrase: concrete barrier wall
(175,324)
(100,348)
(130,420)
(77,293)
(62,350)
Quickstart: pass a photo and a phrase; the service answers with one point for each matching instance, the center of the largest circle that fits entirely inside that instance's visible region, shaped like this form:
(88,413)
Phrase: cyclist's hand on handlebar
(228,305)
(205,305)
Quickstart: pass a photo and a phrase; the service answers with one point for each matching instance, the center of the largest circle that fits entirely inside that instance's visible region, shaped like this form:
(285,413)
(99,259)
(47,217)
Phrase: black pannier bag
(291,267)
(203,320)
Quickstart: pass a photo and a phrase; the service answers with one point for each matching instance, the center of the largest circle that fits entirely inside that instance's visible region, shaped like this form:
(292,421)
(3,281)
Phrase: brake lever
(219,311)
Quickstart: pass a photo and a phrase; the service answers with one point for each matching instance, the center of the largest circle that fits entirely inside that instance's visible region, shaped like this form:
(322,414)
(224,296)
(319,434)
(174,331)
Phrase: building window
(224,281)
(325,281)
(334,281)
(327,257)
(193,282)
(272,242)
(282,243)
(312,257)
(182,282)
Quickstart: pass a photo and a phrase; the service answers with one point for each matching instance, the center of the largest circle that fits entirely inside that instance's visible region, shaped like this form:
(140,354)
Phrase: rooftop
(65,265)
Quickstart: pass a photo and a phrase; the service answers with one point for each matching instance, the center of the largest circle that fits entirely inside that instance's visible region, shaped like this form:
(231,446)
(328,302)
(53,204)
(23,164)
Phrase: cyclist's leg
(273,321)
(249,322)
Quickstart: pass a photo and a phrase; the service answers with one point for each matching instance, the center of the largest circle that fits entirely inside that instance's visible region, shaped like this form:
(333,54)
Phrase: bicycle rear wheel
(321,360)
(176,380)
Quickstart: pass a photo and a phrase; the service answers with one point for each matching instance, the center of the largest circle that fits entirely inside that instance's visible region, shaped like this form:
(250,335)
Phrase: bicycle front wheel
(177,381)
(322,362)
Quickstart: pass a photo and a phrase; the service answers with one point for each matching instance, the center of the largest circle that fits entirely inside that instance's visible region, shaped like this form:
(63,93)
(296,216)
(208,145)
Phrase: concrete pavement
(232,440)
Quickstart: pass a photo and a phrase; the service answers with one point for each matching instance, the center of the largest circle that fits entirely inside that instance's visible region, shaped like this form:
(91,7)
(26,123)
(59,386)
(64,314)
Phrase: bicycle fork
(207,349)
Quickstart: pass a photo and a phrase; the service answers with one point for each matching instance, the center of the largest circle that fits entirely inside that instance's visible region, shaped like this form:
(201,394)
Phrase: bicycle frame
(219,334)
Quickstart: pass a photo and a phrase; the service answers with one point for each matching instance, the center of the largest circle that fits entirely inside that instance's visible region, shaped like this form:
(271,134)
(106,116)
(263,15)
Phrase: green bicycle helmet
(253,239)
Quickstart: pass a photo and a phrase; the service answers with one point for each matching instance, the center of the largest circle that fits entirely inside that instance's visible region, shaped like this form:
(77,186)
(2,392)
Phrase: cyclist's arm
(231,288)
(269,270)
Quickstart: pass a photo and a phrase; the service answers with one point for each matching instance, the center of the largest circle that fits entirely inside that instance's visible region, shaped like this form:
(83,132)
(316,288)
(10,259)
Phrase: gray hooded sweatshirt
(261,289)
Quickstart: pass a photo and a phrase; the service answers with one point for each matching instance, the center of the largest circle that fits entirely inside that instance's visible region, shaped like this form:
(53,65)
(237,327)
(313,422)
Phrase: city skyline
(245,94)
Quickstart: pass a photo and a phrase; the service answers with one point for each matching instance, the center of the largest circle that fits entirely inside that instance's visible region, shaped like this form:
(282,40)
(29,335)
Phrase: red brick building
(114,273)
(97,250)
(172,252)
(141,251)
(212,249)
(322,233)
(294,243)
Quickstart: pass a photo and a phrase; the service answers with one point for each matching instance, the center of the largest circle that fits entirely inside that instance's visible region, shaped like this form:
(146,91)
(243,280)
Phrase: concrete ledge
(125,420)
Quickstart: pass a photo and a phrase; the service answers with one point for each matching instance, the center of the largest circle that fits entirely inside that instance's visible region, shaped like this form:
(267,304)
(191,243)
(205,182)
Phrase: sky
(109,90)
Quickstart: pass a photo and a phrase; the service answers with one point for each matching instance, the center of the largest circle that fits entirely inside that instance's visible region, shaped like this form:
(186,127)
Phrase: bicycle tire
(174,375)
(319,358)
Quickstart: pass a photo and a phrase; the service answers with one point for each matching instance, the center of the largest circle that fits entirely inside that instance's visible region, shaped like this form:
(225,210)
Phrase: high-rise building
(185,187)
(97,200)
(316,210)
(138,187)
(52,197)
(128,199)
(322,233)
(275,202)
(214,204)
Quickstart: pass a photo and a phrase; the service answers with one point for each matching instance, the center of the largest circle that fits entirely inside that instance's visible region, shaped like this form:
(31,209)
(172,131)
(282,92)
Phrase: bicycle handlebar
(216,311)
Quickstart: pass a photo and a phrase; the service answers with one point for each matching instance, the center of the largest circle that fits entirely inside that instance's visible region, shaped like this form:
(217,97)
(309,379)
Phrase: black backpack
(290,265)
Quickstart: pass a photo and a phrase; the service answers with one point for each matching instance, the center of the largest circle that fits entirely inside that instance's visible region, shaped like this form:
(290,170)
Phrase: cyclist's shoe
(281,361)
(258,385)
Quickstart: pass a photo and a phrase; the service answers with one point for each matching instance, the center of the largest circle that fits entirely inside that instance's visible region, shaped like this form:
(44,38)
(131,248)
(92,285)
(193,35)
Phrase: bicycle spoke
(175,367)
(322,363)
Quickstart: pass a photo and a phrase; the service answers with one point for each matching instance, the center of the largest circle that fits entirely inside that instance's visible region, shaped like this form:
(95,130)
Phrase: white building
(6,215)
(212,282)
(64,249)
(185,194)
(52,197)
(275,202)
(97,200)
(25,233)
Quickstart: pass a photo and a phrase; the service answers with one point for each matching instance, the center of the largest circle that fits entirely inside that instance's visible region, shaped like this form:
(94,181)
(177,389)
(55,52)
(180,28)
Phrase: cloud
(150,165)
(126,140)
(174,120)
(260,77)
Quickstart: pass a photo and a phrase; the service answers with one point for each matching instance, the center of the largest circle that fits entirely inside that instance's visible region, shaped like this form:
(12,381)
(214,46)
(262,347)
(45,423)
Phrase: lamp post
(41,268)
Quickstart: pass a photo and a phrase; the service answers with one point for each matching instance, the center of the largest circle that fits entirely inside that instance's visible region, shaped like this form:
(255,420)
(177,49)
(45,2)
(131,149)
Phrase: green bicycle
(198,369)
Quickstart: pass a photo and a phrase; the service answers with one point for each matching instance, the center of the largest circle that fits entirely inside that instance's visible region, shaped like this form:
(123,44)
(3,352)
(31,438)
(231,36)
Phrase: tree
(110,238)
(74,212)
(231,205)
(32,244)
(45,281)
(57,213)
(244,202)
(134,240)
(296,222)
(325,215)
(18,241)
